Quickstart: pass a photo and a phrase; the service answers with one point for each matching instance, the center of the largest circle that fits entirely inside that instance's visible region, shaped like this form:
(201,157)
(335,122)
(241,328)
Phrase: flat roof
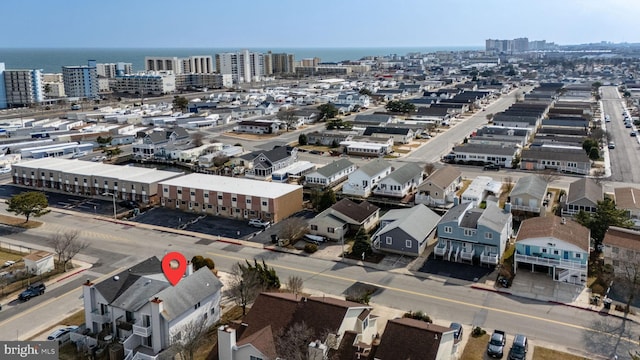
(90,168)
(232,185)
(296,167)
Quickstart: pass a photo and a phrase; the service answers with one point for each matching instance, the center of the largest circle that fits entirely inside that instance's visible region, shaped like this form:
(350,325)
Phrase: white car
(62,333)
(8,263)
(259,223)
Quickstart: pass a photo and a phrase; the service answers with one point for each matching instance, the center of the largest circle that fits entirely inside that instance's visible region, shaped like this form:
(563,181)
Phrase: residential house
(374,119)
(370,147)
(474,235)
(307,116)
(529,194)
(398,134)
(499,135)
(501,155)
(140,309)
(584,195)
(621,250)
(560,159)
(353,98)
(555,246)
(328,137)
(400,182)
(330,174)
(345,216)
(479,189)
(335,323)
(261,164)
(628,199)
(440,187)
(406,338)
(362,181)
(257,127)
(153,144)
(405,231)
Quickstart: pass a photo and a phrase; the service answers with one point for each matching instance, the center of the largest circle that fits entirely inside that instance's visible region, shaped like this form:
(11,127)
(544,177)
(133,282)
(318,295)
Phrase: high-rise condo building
(111,70)
(243,66)
(3,94)
(81,81)
(23,87)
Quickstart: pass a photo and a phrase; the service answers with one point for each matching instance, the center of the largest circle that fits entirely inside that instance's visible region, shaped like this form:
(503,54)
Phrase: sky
(306,24)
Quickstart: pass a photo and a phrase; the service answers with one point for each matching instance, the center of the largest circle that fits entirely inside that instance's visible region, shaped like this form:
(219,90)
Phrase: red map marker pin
(174,274)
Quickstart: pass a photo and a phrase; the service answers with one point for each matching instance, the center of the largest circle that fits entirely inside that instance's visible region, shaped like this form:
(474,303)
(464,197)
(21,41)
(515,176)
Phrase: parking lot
(458,271)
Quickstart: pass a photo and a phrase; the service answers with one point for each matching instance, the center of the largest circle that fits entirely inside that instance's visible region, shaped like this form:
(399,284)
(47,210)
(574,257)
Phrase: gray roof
(115,286)
(470,218)
(374,167)
(550,153)
(188,292)
(442,177)
(530,185)
(378,118)
(370,130)
(417,221)
(493,217)
(405,173)
(140,292)
(585,188)
(278,154)
(454,213)
(334,167)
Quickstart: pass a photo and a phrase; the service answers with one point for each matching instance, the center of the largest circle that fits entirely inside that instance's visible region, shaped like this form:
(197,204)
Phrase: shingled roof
(355,211)
(566,230)
(405,339)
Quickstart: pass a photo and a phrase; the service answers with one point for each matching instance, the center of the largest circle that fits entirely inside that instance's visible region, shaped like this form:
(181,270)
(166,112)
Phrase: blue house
(474,235)
(555,246)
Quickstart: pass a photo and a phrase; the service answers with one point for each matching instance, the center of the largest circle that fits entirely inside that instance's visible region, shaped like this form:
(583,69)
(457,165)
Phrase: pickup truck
(32,291)
(495,348)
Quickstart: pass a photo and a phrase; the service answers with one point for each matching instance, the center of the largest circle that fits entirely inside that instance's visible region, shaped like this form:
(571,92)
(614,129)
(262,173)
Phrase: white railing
(440,250)
(131,342)
(129,355)
(449,256)
(142,356)
(467,255)
(489,258)
(99,318)
(537,260)
(143,331)
(525,208)
(455,256)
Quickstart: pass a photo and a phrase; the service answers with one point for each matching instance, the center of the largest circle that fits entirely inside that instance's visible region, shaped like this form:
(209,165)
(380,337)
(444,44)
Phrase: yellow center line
(439,298)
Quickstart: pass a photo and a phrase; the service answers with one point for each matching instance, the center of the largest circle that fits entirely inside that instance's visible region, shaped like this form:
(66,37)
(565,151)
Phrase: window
(544,251)
(165,190)
(206,195)
(314,227)
(213,311)
(192,193)
(264,203)
(248,201)
(234,199)
(251,357)
(408,244)
(197,305)
(388,240)
(578,256)
(488,235)
(615,250)
(219,197)
(331,230)
(469,232)
(447,229)
(179,191)
(556,252)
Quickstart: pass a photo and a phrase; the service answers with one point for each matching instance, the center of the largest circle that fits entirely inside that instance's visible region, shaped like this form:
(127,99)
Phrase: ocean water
(52,60)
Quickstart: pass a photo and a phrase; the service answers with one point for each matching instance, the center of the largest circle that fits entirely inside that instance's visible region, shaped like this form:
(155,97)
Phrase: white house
(354,98)
(362,181)
(400,182)
(140,309)
(479,188)
(331,173)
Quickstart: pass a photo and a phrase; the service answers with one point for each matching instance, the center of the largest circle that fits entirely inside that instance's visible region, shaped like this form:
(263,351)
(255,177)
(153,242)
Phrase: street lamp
(115,217)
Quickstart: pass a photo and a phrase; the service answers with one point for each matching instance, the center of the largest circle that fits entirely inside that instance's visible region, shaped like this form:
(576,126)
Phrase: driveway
(458,271)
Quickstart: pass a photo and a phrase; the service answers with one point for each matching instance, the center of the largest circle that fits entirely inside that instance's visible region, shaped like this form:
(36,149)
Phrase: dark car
(493,167)
(519,348)
(495,349)
(457,335)
(32,291)
(129,204)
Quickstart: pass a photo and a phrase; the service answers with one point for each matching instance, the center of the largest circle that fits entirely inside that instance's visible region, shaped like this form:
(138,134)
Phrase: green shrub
(597,289)
(310,248)
(418,315)
(478,331)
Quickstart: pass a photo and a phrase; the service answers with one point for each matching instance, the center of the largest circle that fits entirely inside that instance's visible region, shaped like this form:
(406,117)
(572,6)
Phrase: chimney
(226,342)
(189,270)
(507,207)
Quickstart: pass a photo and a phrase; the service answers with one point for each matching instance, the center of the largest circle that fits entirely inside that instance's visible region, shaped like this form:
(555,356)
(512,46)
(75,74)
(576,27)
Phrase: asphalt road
(625,156)
(122,245)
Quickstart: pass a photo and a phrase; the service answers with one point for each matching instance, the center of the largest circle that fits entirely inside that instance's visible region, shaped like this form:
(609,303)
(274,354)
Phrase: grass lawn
(540,353)
(19,222)
(76,318)
(475,348)
(5,256)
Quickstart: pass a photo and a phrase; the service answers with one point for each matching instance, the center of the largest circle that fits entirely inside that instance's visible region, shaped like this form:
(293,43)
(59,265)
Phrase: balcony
(125,325)
(489,258)
(99,318)
(562,263)
(143,331)
(440,249)
(467,255)
(525,208)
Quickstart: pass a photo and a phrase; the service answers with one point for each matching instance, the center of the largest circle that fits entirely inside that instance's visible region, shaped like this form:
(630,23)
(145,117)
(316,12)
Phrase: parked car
(493,167)
(129,204)
(457,335)
(79,154)
(259,223)
(519,348)
(612,145)
(99,158)
(8,263)
(633,134)
(32,291)
(61,333)
(495,348)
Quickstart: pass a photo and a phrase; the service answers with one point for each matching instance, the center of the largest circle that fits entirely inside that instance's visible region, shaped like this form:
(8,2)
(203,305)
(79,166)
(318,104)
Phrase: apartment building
(23,87)
(81,81)
(156,83)
(244,66)
(231,197)
(111,70)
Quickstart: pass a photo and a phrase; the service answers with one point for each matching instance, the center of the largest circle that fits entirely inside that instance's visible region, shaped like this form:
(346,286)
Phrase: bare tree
(548,175)
(197,139)
(291,344)
(598,175)
(429,168)
(288,116)
(292,229)
(244,287)
(626,279)
(295,284)
(190,337)
(508,184)
(66,245)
